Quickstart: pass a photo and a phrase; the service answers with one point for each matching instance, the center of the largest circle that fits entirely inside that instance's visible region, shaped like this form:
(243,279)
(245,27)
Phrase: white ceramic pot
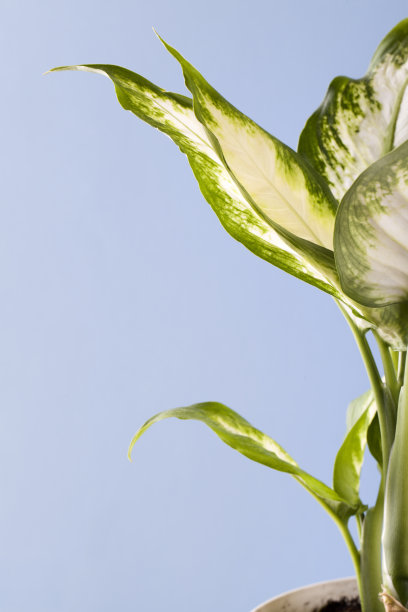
(310,598)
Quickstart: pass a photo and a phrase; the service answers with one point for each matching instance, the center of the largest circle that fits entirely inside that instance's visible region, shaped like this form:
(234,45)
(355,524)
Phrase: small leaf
(371,233)
(361,120)
(173,114)
(235,431)
(349,459)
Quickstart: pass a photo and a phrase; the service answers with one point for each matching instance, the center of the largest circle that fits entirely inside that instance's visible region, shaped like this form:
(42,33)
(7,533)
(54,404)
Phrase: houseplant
(335,215)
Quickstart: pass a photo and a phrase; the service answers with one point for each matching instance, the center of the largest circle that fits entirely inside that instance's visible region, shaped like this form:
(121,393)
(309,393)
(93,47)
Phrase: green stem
(395,531)
(371,570)
(359,523)
(385,416)
(389,370)
(401,366)
(395,358)
(342,524)
(354,553)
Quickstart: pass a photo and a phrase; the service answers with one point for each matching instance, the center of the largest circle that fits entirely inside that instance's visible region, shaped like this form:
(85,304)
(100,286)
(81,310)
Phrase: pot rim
(349,579)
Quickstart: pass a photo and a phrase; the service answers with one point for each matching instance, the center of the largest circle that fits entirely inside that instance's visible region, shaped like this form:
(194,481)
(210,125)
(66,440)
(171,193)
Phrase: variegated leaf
(371,233)
(173,114)
(281,186)
(236,432)
(361,120)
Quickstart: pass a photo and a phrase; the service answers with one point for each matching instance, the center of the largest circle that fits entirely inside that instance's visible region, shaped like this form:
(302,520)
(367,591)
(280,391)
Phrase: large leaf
(282,187)
(349,459)
(235,431)
(173,114)
(361,120)
(232,132)
(371,233)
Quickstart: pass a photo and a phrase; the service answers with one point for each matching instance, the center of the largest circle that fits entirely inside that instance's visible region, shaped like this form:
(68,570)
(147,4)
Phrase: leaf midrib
(240,149)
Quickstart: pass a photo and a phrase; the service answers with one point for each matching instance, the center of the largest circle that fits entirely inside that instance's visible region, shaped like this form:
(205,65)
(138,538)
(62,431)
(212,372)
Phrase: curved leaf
(349,459)
(361,120)
(235,431)
(357,407)
(173,114)
(371,233)
(281,186)
(355,410)
(374,440)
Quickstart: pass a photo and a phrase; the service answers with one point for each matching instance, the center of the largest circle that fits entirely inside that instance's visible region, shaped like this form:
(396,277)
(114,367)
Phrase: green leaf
(361,120)
(278,182)
(349,459)
(357,408)
(371,233)
(355,411)
(173,114)
(235,431)
(374,440)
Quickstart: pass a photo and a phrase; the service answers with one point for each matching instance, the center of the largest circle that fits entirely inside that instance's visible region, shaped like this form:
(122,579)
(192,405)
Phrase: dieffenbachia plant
(333,214)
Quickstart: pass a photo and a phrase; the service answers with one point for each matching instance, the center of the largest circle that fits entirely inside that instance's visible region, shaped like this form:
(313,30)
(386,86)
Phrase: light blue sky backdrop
(121,295)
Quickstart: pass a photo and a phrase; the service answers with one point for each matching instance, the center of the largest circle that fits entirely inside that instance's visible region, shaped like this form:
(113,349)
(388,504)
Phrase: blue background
(121,295)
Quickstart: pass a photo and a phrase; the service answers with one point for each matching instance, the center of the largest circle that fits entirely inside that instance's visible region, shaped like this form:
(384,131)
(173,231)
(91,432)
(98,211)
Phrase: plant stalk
(386,416)
(389,369)
(371,569)
(395,532)
(401,366)
(354,553)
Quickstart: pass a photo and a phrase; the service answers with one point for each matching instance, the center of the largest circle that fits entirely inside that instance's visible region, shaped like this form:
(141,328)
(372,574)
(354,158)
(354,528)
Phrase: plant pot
(311,598)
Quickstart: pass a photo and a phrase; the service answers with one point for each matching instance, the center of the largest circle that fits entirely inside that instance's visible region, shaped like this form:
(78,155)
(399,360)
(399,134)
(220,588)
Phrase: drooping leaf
(361,120)
(235,431)
(349,459)
(173,114)
(371,233)
(282,187)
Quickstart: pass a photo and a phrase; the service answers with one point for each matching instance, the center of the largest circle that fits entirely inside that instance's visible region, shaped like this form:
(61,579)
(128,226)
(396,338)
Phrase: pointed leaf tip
(173,114)
(238,433)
